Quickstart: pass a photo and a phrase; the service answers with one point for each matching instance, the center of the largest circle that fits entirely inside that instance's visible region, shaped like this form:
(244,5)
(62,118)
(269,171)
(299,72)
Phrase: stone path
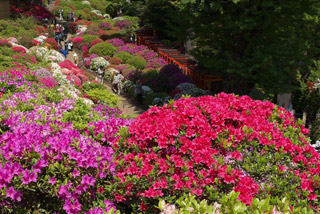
(126,103)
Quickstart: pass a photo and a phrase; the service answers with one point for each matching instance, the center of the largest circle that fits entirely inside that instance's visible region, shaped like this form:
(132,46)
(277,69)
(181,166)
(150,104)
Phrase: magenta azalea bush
(55,150)
(209,146)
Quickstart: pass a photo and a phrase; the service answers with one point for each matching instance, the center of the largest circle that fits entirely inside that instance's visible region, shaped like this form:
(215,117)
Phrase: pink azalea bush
(209,146)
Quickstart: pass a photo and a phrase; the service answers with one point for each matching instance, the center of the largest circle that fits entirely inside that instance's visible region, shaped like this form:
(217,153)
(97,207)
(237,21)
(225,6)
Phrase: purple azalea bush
(116,42)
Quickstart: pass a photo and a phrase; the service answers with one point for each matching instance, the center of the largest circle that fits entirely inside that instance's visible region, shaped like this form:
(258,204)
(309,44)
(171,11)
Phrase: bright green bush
(137,62)
(103,49)
(124,56)
(104,97)
(89,38)
(80,115)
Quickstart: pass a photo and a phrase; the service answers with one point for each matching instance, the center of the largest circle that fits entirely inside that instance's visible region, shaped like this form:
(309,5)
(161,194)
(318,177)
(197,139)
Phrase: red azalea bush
(18,8)
(115,61)
(19,49)
(74,80)
(53,43)
(77,40)
(40,29)
(35,42)
(209,146)
(73,27)
(5,42)
(96,41)
(67,64)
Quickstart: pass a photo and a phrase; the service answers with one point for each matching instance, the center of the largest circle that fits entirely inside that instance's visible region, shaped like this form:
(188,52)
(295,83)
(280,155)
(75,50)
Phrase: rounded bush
(96,41)
(89,38)
(124,56)
(210,146)
(115,60)
(137,62)
(103,49)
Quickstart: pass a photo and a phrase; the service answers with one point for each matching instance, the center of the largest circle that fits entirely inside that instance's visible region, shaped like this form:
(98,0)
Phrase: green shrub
(188,204)
(103,49)
(89,38)
(124,56)
(80,115)
(87,86)
(137,62)
(104,97)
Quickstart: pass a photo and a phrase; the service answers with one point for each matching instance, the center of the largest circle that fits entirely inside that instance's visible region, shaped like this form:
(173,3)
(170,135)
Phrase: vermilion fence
(202,78)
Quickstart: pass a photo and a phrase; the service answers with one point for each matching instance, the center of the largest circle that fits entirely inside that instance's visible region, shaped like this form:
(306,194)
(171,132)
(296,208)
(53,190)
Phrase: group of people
(70,16)
(61,33)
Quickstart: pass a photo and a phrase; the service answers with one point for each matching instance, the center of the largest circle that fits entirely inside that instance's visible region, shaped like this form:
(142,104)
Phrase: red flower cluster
(5,42)
(53,43)
(39,12)
(19,49)
(67,64)
(96,41)
(199,142)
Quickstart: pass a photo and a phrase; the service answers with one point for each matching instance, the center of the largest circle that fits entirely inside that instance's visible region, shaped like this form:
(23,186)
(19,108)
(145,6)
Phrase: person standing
(133,38)
(66,47)
(66,33)
(100,75)
(79,17)
(76,59)
(61,14)
(116,80)
(70,46)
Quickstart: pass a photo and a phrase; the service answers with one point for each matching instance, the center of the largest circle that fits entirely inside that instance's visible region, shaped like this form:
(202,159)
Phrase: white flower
(38,50)
(106,16)
(85,2)
(40,39)
(98,62)
(118,18)
(53,56)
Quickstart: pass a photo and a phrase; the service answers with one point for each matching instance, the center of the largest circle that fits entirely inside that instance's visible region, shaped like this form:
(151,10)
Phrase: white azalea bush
(38,51)
(129,87)
(98,62)
(40,39)
(53,56)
